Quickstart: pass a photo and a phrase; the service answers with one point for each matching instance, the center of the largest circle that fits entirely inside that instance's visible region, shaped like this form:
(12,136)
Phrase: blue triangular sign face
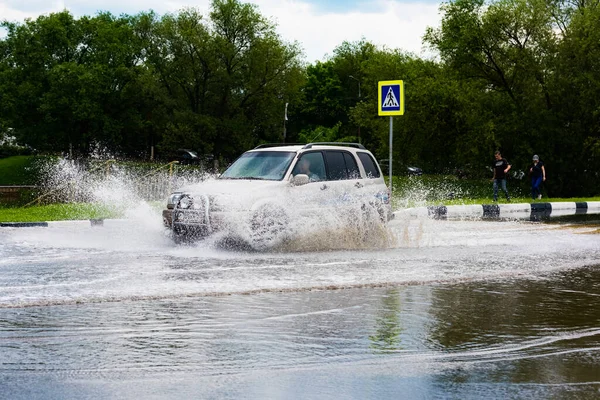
(390,99)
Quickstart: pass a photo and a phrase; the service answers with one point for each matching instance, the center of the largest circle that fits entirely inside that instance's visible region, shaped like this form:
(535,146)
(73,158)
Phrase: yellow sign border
(401,99)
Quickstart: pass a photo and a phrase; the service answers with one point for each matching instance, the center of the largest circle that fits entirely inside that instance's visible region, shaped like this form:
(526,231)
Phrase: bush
(11,151)
(20,170)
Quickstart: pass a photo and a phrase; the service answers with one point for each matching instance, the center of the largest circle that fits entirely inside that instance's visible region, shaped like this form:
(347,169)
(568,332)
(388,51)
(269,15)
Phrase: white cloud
(391,24)
(10,13)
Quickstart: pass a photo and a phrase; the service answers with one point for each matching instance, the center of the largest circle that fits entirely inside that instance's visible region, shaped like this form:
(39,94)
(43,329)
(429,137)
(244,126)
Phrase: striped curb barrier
(533,211)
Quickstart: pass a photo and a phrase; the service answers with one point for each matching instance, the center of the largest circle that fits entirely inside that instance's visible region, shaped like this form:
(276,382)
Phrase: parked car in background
(414,171)
(403,170)
(258,200)
(186,157)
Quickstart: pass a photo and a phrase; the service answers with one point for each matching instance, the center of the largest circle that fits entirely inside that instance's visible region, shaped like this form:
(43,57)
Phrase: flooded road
(459,309)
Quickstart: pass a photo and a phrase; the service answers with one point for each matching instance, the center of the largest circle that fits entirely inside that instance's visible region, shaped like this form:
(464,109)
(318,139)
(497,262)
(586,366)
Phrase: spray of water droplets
(118,185)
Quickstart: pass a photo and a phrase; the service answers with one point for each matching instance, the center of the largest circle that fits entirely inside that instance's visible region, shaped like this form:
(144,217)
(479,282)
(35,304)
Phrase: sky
(319,26)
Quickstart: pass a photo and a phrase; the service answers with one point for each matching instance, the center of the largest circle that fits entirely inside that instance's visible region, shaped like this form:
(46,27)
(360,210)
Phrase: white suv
(270,192)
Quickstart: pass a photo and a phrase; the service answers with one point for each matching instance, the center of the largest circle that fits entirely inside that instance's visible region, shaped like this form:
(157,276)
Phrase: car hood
(232,186)
(237,193)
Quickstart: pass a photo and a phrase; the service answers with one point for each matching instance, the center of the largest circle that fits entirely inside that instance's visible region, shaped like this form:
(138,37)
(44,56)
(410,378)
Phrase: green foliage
(321,134)
(9,151)
(323,92)
(227,78)
(214,84)
(525,72)
(66,82)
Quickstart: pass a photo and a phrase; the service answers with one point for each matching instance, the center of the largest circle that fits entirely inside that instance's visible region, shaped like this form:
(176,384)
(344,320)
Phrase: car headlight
(173,199)
(186,202)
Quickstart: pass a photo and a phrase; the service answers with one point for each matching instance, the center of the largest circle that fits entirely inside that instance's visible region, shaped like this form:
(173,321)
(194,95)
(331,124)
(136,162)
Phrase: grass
(58,212)
(64,212)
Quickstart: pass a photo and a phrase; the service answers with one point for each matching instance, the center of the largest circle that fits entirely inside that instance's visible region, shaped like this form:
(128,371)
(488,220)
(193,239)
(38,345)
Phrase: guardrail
(13,193)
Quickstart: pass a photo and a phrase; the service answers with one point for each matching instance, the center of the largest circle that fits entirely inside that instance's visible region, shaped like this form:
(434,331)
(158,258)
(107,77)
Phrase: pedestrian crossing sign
(391,98)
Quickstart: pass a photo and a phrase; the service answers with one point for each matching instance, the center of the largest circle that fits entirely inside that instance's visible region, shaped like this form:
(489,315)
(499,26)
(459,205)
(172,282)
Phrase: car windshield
(267,165)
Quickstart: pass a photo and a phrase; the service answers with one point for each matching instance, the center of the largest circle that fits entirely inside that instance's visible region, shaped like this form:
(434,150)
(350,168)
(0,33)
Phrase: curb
(46,224)
(534,211)
(22,224)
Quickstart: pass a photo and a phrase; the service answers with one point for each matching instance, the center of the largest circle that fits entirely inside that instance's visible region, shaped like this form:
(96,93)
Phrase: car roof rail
(265,145)
(347,144)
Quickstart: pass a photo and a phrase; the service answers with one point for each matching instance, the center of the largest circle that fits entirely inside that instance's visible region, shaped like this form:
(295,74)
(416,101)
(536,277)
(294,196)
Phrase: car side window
(351,166)
(311,164)
(341,165)
(369,164)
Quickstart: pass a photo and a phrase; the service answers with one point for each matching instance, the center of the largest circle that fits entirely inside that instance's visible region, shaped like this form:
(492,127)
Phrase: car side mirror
(300,179)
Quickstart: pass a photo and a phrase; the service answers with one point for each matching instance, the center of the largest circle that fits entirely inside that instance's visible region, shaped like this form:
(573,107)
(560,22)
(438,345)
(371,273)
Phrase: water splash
(111,183)
(417,192)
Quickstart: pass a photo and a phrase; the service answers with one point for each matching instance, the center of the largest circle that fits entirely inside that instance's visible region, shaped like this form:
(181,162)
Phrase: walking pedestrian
(500,168)
(538,175)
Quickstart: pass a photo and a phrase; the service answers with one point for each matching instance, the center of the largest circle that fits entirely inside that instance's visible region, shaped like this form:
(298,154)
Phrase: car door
(344,181)
(374,184)
(313,195)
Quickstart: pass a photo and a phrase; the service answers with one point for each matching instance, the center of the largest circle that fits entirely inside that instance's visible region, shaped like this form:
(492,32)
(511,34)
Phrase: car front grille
(196,211)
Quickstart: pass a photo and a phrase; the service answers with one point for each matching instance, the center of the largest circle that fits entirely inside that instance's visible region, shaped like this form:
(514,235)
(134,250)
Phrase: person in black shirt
(538,175)
(500,168)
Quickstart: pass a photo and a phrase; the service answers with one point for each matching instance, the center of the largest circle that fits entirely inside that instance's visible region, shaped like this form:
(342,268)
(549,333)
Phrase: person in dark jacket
(500,168)
(538,175)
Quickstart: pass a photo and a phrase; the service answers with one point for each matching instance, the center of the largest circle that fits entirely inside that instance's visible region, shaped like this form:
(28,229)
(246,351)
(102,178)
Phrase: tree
(228,78)
(332,90)
(575,148)
(509,47)
(66,83)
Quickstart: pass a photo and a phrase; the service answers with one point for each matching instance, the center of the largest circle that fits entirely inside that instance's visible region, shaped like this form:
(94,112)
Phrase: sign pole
(390,158)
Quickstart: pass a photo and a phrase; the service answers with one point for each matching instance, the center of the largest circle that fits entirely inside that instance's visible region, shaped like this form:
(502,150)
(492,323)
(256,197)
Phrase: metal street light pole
(357,80)
(285,118)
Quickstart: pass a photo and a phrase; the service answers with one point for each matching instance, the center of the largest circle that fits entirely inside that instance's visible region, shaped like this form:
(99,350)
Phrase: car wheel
(269,227)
